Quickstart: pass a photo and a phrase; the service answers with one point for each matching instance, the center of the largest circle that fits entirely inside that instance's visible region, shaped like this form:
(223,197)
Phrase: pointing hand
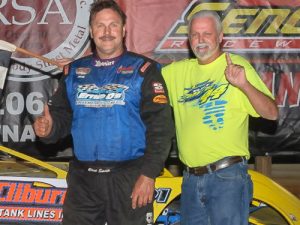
(235,74)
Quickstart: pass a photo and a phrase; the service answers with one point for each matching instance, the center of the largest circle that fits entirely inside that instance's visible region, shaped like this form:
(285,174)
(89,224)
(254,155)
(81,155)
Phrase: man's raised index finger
(228,59)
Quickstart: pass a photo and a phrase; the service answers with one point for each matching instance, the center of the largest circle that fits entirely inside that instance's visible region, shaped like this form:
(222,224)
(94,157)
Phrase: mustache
(201,45)
(107,38)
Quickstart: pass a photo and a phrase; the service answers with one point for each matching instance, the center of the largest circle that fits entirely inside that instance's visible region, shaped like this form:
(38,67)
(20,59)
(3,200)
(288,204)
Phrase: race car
(33,192)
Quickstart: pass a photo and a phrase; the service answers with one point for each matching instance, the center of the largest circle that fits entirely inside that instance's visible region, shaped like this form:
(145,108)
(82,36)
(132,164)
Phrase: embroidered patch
(162,99)
(149,218)
(91,95)
(145,66)
(99,63)
(82,71)
(158,88)
(125,70)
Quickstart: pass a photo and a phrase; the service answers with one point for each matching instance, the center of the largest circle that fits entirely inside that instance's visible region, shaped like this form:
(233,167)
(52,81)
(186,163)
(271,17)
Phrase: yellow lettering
(182,29)
(219,91)
(251,21)
(264,16)
(291,25)
(235,20)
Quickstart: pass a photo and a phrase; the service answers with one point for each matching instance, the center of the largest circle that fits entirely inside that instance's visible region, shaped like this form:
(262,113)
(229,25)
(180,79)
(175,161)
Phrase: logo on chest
(207,96)
(125,70)
(81,72)
(90,95)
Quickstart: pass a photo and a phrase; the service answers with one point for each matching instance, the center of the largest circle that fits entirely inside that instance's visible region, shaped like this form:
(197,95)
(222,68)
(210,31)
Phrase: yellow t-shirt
(211,115)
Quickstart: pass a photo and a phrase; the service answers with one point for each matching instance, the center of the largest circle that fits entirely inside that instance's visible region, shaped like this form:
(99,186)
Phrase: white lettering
(43,214)
(177,44)
(2,18)
(12,133)
(12,213)
(23,8)
(60,11)
(34,103)
(110,96)
(255,44)
(229,44)
(8,132)
(282,44)
(28,134)
(103,170)
(11,106)
(23,68)
(15,103)
(105,63)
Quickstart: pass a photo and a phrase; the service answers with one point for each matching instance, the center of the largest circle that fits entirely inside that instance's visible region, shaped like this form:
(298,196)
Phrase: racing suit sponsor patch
(149,218)
(90,95)
(82,71)
(98,170)
(144,67)
(158,88)
(99,63)
(162,99)
(125,70)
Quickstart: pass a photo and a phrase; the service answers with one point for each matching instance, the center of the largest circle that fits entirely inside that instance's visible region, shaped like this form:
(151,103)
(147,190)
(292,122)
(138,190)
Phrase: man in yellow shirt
(212,97)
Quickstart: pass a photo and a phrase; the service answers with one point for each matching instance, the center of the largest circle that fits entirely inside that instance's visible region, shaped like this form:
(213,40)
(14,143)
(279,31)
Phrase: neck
(210,59)
(103,55)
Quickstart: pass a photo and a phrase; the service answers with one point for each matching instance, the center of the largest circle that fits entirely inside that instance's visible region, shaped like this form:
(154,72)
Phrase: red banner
(265,32)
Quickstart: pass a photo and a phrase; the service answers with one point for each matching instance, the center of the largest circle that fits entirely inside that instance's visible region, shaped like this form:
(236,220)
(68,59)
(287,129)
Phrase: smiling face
(205,39)
(107,31)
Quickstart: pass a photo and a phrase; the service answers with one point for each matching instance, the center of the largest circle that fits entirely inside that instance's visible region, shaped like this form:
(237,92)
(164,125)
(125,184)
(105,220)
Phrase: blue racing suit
(116,110)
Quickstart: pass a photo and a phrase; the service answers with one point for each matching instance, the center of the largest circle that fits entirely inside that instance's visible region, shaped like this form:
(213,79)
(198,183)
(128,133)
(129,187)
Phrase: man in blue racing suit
(114,103)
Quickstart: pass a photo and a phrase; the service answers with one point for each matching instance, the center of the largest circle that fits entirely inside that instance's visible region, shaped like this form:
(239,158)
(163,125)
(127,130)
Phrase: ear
(221,35)
(124,31)
(91,32)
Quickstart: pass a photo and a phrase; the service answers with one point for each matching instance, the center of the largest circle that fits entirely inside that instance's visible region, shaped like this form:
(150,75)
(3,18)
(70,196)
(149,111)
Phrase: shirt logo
(207,96)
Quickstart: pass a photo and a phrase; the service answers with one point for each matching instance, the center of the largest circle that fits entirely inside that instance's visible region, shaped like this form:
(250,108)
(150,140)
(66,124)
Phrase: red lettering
(57,197)
(268,79)
(288,93)
(28,195)
(12,192)
(18,192)
(42,196)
